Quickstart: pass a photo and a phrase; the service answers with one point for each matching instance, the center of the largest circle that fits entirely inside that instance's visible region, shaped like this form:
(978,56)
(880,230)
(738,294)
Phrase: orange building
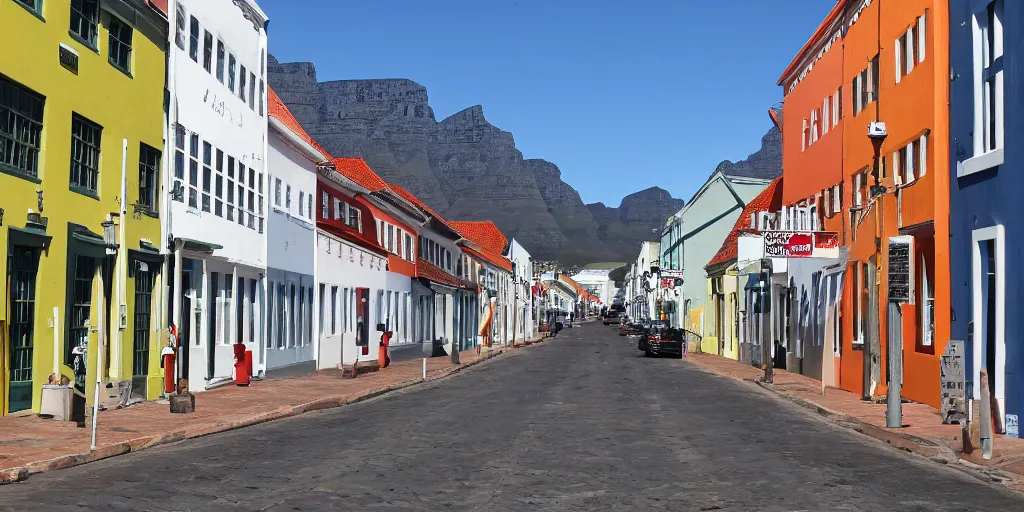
(857,68)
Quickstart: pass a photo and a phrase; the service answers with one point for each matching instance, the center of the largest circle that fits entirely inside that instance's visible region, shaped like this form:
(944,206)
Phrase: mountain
(466,168)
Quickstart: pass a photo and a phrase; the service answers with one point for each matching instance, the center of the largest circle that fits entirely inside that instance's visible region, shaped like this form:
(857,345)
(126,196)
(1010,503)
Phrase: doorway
(23,265)
(988,283)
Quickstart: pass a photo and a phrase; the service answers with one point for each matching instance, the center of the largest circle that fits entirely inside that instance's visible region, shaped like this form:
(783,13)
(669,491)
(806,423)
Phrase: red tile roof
(431,272)
(356,170)
(278,110)
(770,199)
(483,233)
(495,259)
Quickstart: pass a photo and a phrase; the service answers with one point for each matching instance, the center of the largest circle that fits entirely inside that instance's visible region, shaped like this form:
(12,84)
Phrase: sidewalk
(923,432)
(30,444)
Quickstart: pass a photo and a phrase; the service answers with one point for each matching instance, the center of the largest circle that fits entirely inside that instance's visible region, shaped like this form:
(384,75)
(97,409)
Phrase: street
(583,422)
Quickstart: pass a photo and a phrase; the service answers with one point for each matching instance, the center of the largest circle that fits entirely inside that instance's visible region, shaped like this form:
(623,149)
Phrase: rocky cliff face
(465,167)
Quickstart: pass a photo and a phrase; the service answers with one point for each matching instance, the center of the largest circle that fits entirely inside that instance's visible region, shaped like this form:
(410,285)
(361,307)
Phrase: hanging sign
(901,268)
(801,244)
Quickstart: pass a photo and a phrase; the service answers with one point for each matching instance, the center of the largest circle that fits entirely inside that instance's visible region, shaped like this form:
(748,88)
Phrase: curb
(21,473)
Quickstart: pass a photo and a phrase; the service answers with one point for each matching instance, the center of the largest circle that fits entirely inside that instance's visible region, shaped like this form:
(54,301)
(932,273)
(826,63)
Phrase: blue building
(986,229)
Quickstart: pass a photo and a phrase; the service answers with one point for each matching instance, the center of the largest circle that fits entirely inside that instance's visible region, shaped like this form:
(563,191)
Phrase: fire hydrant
(383,358)
(241,366)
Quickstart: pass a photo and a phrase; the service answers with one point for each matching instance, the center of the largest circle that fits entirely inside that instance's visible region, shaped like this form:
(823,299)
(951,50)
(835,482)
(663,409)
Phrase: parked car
(611,317)
(661,340)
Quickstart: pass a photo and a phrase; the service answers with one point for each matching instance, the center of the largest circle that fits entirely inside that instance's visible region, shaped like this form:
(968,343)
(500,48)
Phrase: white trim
(921,40)
(982,162)
(998,234)
(899,59)
(295,141)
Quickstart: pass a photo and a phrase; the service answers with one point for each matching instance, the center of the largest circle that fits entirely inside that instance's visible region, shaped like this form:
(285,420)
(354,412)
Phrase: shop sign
(801,244)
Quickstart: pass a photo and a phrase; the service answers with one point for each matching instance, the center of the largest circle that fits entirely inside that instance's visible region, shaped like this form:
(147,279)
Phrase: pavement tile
(923,430)
(30,444)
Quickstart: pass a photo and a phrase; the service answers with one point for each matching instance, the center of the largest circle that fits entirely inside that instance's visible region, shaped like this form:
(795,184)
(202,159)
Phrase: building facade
(985,231)
(85,260)
(216,178)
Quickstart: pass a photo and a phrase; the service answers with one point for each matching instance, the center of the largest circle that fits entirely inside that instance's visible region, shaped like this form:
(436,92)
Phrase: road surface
(582,423)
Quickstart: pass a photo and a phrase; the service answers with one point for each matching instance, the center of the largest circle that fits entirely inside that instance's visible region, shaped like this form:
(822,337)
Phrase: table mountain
(466,168)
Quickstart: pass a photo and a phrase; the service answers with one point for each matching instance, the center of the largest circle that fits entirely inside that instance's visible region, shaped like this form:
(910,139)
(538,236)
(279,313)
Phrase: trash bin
(241,366)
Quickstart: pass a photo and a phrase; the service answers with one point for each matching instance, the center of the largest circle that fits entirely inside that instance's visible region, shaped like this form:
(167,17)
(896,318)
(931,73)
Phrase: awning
(199,246)
(29,236)
(85,242)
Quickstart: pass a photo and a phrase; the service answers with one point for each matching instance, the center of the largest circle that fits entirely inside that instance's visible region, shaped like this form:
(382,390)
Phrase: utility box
(56,402)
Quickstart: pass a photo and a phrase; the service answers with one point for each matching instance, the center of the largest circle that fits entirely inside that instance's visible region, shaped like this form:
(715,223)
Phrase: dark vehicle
(611,317)
(661,340)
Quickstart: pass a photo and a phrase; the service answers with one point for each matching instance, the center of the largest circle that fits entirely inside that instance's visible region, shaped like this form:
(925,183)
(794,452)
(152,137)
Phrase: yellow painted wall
(127,107)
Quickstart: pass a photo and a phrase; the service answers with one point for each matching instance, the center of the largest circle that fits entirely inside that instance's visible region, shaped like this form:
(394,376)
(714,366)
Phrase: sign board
(952,386)
(901,268)
(801,244)
(669,273)
(1012,426)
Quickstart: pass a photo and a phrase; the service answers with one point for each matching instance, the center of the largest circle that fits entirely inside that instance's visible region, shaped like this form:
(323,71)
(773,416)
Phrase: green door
(143,316)
(22,266)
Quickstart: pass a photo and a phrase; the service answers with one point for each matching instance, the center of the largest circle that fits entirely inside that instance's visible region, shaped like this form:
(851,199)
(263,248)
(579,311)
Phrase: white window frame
(302,204)
(337,209)
(835,108)
(998,234)
(814,126)
(805,136)
(825,114)
(922,149)
(984,158)
(921,39)
(898,45)
(927,288)
(277,192)
(857,199)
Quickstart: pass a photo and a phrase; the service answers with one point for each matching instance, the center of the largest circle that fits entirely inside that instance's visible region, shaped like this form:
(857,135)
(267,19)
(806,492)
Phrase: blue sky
(620,95)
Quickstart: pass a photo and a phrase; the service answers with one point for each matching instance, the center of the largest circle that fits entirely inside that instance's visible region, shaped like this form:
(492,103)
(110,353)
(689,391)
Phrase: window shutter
(910,50)
(899,60)
(825,116)
(921,37)
(835,108)
(911,165)
(923,150)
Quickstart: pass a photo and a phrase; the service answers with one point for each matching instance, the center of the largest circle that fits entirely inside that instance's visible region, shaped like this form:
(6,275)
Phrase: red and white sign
(799,244)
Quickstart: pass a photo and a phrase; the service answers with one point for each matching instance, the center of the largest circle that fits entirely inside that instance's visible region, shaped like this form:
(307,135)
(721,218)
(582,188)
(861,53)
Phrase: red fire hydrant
(168,364)
(383,358)
(241,366)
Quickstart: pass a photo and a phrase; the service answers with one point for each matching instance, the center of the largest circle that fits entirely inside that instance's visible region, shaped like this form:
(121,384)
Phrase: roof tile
(357,170)
(278,110)
(770,199)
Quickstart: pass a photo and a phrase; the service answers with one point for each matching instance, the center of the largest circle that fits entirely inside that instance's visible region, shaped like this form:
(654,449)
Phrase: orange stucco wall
(915,106)
(395,263)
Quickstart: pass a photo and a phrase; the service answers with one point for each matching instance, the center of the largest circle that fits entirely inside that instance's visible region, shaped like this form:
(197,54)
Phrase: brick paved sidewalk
(29,444)
(923,431)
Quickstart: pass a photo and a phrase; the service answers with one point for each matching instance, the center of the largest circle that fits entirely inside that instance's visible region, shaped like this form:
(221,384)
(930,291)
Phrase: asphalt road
(582,423)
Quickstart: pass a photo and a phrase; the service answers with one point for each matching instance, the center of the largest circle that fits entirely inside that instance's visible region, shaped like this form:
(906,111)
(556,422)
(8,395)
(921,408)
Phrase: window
(288,198)
(218,190)
(231,188)
(826,118)
(837,106)
(207,174)
(21,128)
(241,84)
(220,60)
(149,169)
(337,209)
(277,192)
(910,161)
(179,162)
(252,92)
(193,171)
(35,6)
(309,206)
(334,310)
(408,247)
(85,14)
(302,204)
(805,139)
(193,39)
(353,218)
(85,154)
(927,304)
(261,97)
(207,51)
(988,85)
(323,205)
(120,44)
(865,87)
(231,72)
(391,238)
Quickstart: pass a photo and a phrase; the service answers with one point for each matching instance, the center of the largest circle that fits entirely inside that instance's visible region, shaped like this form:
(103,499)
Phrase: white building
(216,176)
(643,280)
(292,160)
(351,270)
(522,272)
(598,283)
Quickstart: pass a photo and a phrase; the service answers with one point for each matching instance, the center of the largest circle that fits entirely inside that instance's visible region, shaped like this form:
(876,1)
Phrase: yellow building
(81,134)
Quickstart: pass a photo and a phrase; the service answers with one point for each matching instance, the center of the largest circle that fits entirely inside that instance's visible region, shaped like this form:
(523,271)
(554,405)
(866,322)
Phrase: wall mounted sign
(800,244)
(901,268)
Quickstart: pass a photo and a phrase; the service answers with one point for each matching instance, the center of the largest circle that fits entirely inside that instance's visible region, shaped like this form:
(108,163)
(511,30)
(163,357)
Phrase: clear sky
(621,95)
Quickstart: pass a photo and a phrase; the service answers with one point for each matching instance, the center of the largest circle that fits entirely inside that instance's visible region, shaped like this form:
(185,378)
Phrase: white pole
(424,368)
(56,345)
(99,372)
